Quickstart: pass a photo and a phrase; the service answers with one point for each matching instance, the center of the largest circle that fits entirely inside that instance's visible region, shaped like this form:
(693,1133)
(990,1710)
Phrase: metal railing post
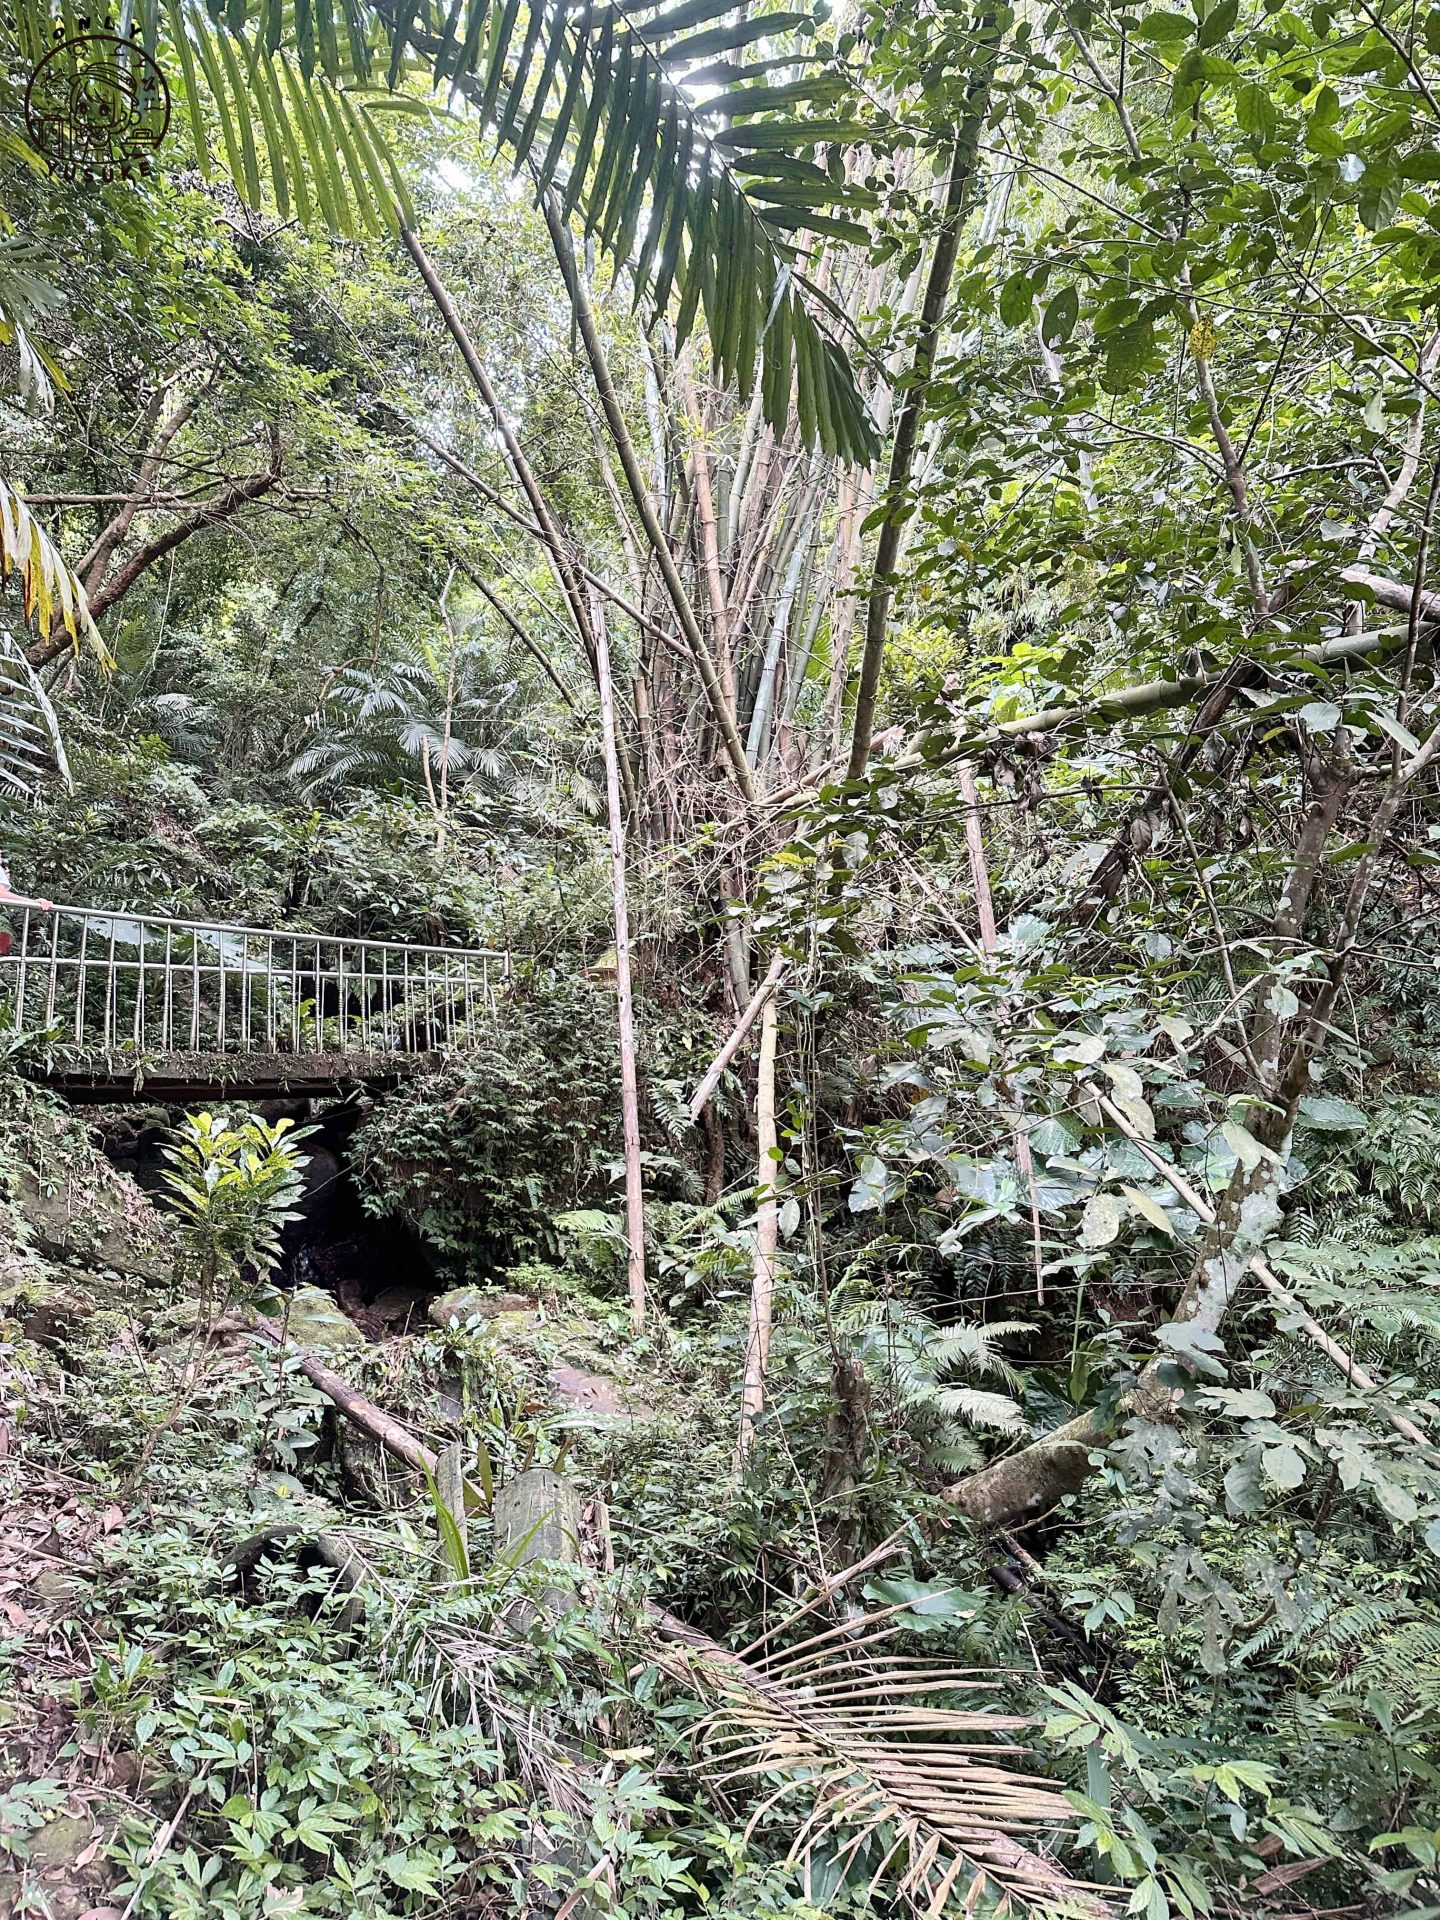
(410,1000)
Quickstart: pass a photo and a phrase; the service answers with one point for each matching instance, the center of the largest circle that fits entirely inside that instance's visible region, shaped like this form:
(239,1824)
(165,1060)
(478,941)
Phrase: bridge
(116,1006)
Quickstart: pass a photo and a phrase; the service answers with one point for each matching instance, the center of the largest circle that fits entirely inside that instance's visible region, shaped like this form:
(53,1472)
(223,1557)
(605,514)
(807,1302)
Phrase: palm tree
(447,719)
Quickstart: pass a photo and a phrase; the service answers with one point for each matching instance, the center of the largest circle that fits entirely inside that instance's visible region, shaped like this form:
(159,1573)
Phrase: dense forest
(719,997)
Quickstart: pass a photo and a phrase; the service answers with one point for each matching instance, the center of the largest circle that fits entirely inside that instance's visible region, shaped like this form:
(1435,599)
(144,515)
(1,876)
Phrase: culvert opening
(378,1271)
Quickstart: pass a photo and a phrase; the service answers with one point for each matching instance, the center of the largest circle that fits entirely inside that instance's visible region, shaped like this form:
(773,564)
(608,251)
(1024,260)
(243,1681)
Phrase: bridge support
(190,1079)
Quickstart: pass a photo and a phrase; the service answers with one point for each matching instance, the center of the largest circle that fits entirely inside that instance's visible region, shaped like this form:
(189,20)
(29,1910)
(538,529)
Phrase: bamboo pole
(644,507)
(767,1222)
(629,1091)
(764,992)
(556,546)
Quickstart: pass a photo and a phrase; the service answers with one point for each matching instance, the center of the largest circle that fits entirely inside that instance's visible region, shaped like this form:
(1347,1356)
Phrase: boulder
(594,1395)
(60,1842)
(316,1323)
(461,1304)
(95,1216)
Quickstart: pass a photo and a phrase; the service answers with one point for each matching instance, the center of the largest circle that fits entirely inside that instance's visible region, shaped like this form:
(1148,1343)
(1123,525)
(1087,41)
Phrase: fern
(913,1361)
(1403,1664)
(1394,1164)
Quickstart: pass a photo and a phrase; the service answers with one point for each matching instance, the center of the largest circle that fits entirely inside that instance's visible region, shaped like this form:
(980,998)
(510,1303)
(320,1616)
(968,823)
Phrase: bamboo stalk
(654,533)
(767,1222)
(764,992)
(629,1089)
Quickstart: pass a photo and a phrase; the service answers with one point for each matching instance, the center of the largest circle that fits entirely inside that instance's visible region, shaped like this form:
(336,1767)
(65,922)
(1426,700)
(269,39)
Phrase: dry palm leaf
(51,591)
(30,744)
(849,1726)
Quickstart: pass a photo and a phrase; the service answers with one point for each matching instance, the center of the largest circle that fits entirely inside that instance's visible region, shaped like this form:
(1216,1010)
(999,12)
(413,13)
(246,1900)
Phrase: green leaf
(1146,1205)
(1399,733)
(1017,299)
(1217,23)
(1394,1499)
(1241,1403)
(1283,1466)
(1061,316)
(1164,29)
(1329,1115)
(1255,111)
(1101,1220)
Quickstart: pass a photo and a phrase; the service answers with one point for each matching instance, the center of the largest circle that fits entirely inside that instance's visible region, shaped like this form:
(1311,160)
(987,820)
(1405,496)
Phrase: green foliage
(301,119)
(483,1161)
(233,1184)
(916,1364)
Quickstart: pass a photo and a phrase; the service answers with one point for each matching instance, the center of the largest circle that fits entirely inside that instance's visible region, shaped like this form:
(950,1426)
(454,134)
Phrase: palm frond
(683,155)
(28,296)
(705,203)
(896,1786)
(49,589)
(30,744)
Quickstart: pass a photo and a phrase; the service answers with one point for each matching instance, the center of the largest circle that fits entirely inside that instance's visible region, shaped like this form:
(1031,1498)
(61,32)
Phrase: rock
(592,1393)
(475,1303)
(93,1214)
(400,1305)
(458,1305)
(55,1589)
(60,1842)
(47,1314)
(175,1325)
(589,1392)
(138,1773)
(317,1323)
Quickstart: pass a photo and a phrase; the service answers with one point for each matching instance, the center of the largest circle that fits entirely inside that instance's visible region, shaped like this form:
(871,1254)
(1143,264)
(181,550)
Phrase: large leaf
(600,102)
(50,591)
(646,120)
(896,1780)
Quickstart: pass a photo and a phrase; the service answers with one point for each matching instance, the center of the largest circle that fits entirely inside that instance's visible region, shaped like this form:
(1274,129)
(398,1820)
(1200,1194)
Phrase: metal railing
(147,985)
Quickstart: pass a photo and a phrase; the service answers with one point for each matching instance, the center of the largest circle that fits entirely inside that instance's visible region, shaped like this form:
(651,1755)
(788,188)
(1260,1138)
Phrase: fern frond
(980,1409)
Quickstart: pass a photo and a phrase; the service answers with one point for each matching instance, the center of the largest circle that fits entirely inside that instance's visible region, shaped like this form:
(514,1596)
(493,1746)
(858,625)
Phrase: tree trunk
(644,507)
(964,160)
